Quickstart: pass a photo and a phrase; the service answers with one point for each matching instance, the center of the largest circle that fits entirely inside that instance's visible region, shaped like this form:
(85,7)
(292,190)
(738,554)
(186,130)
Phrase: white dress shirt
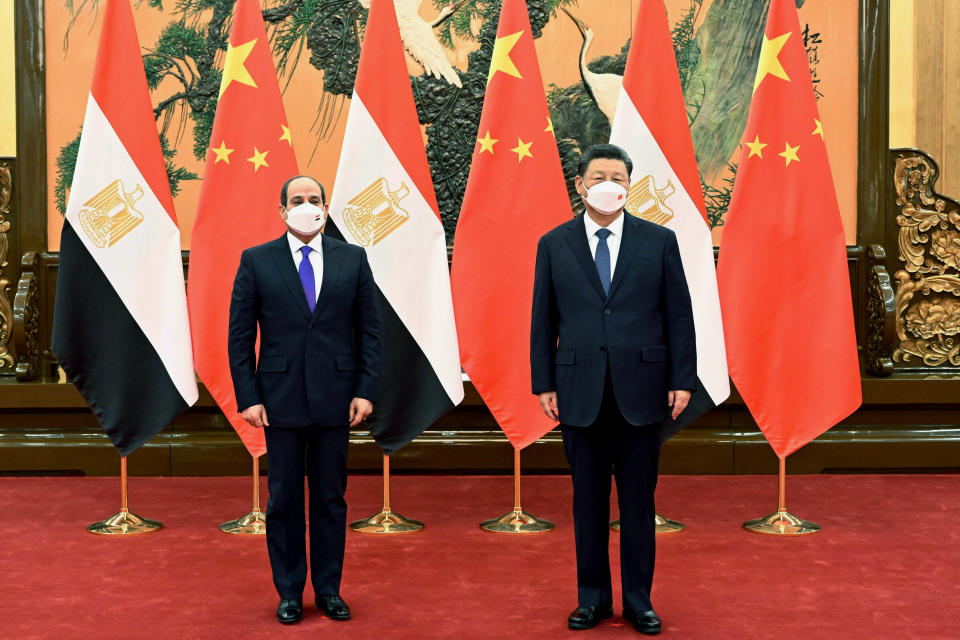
(613,240)
(316,257)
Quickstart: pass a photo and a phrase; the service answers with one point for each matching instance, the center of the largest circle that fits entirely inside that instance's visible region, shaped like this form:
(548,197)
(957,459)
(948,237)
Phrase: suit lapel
(331,269)
(629,243)
(577,239)
(283,259)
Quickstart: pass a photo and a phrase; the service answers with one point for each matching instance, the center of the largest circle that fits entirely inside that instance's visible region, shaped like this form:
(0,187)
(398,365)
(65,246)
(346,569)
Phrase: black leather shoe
(588,617)
(333,606)
(647,622)
(290,610)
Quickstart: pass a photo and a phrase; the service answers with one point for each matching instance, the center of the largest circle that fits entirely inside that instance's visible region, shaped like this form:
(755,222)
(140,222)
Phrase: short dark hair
(606,151)
(283,189)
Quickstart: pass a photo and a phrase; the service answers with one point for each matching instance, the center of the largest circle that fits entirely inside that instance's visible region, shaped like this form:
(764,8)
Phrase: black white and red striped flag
(120,328)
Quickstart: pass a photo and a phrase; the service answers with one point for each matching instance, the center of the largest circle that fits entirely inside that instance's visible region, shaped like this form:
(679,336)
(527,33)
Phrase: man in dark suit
(612,352)
(316,305)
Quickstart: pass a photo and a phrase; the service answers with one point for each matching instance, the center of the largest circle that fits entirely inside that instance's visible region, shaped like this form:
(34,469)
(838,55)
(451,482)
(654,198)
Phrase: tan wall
(925,83)
(8,104)
(903,79)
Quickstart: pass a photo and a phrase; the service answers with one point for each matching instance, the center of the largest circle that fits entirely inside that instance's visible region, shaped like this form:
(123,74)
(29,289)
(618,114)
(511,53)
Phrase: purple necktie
(306,278)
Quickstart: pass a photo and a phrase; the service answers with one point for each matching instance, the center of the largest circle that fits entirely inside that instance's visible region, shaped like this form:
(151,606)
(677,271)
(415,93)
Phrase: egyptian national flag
(383,200)
(651,126)
(249,158)
(120,328)
(515,193)
(784,283)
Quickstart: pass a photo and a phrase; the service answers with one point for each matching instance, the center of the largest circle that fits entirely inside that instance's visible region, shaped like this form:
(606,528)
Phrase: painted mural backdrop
(582,47)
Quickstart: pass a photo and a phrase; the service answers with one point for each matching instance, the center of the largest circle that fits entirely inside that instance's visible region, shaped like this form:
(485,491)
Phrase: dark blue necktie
(602,259)
(307,280)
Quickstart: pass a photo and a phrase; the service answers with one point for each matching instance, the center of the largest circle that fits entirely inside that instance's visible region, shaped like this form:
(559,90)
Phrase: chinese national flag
(250,156)
(515,193)
(784,284)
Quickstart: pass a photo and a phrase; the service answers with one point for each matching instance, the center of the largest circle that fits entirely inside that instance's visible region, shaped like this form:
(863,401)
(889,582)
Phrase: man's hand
(678,400)
(360,409)
(256,416)
(548,402)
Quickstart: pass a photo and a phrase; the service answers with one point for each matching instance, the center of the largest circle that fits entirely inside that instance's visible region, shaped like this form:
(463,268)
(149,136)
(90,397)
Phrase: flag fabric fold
(515,193)
(783,275)
(249,157)
(652,127)
(120,327)
(383,200)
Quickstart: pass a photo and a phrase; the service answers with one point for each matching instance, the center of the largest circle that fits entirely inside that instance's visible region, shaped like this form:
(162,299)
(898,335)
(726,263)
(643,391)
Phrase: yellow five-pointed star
(789,154)
(770,60)
(756,147)
(233,69)
(259,159)
(522,150)
(819,130)
(286,134)
(222,152)
(549,128)
(500,60)
(486,142)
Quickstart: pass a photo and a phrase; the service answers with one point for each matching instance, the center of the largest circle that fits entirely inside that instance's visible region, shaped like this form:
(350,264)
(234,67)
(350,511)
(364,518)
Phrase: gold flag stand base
(255,522)
(123,523)
(663,525)
(518,520)
(252,524)
(387,521)
(666,525)
(782,522)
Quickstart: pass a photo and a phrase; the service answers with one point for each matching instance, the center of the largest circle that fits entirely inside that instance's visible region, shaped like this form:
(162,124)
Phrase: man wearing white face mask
(612,356)
(315,302)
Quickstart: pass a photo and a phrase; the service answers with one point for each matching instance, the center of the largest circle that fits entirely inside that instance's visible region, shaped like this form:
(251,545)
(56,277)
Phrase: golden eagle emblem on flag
(646,201)
(375,212)
(110,214)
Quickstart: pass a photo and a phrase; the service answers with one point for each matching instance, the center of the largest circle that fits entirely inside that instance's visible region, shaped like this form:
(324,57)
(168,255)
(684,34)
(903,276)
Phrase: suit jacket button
(606,312)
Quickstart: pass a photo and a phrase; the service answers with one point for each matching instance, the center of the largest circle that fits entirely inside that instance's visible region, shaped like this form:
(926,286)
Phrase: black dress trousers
(613,447)
(321,454)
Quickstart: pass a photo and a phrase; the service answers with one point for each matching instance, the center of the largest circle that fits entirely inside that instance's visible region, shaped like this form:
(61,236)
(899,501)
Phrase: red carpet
(887,564)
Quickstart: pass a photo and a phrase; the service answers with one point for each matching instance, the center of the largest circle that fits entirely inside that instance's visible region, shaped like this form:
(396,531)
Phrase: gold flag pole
(518,520)
(386,521)
(255,522)
(782,522)
(663,525)
(124,522)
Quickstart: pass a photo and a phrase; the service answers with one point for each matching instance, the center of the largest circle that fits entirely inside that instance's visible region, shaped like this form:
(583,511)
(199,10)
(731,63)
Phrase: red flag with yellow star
(249,157)
(784,283)
(515,193)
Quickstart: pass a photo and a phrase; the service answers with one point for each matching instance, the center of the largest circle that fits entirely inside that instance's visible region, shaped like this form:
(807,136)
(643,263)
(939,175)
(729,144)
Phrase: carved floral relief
(6,311)
(927,296)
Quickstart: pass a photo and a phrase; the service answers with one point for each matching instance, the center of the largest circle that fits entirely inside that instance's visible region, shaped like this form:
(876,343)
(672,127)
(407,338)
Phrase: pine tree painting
(716,60)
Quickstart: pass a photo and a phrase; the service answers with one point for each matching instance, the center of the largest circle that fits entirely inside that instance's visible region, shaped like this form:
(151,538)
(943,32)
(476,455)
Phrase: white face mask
(606,197)
(306,218)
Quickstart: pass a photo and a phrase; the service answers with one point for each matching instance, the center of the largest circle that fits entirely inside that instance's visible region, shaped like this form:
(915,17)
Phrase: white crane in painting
(604,88)
(420,41)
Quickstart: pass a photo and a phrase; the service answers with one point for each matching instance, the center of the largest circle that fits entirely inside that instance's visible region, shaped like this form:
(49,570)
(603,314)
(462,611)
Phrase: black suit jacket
(311,365)
(643,329)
